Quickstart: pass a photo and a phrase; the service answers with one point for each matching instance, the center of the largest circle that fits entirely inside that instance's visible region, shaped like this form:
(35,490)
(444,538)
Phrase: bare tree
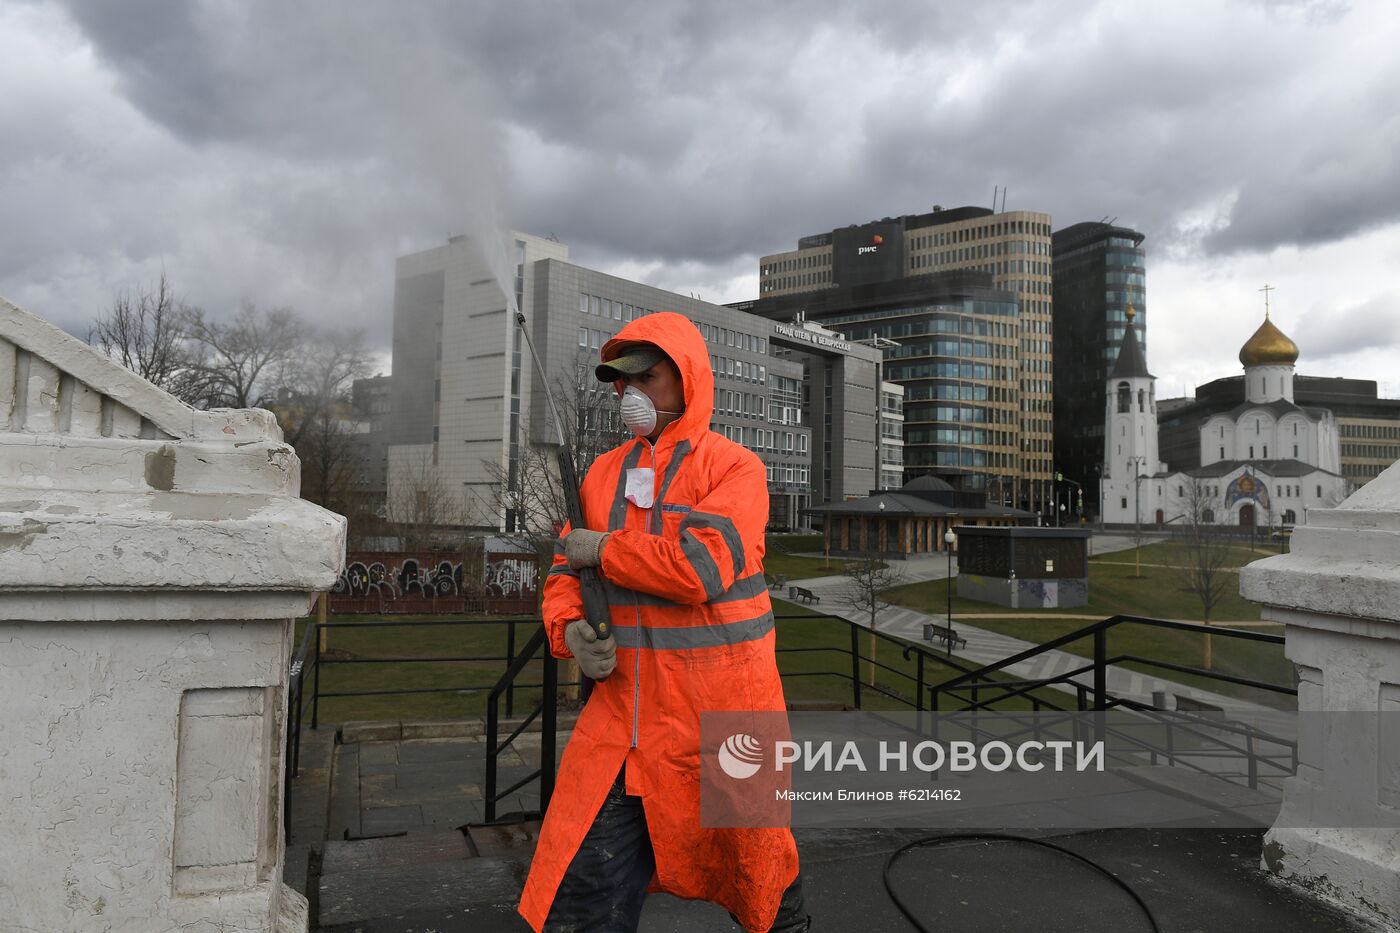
(531,497)
(1207,554)
(149,333)
(423,511)
(869,577)
(244,360)
(314,408)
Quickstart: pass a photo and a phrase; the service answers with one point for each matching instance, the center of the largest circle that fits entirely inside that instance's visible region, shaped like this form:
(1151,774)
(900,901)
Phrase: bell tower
(1130,430)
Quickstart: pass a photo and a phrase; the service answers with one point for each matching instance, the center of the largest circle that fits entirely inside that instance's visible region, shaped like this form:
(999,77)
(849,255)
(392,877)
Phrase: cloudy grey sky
(287,153)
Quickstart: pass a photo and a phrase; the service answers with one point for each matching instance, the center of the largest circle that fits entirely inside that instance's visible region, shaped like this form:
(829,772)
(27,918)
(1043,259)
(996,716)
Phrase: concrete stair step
(422,873)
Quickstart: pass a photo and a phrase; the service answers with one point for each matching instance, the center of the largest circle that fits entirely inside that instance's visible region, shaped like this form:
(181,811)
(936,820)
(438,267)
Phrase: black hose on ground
(933,841)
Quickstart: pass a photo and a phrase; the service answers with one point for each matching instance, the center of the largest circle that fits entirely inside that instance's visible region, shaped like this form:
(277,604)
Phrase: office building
(467,403)
(917,281)
(1100,272)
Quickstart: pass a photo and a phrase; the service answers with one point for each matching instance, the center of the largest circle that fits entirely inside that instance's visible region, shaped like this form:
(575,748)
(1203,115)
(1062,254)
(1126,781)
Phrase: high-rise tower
(1099,272)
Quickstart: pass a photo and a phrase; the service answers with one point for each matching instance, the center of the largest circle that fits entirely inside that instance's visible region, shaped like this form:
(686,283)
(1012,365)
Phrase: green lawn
(345,670)
(1114,589)
(814,656)
(1178,553)
(1159,593)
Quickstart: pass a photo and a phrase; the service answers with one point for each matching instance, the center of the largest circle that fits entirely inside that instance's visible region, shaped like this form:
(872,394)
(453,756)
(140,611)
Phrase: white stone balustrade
(1338,595)
(152,558)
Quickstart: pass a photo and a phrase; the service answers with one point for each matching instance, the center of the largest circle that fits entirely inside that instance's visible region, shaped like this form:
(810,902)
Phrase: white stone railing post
(152,558)
(1337,592)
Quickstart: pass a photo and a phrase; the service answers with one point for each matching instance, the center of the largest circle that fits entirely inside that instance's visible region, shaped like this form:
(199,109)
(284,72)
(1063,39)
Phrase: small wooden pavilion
(910,521)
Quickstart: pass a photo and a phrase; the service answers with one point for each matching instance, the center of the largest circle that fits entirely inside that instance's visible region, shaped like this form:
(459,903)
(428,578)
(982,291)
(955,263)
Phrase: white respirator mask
(638,412)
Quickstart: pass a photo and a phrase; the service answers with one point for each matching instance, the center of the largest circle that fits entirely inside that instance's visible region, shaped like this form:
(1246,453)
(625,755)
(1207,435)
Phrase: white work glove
(584,548)
(596,656)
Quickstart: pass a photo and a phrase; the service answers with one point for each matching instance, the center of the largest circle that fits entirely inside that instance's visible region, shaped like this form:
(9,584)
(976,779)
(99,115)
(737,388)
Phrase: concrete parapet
(1338,595)
(152,558)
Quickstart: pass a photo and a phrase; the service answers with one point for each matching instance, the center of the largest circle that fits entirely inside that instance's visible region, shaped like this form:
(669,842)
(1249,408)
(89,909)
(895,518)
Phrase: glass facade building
(1011,251)
(950,342)
(1100,270)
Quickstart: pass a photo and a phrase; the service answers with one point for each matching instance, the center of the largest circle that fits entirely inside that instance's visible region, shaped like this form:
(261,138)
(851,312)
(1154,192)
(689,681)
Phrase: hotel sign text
(798,333)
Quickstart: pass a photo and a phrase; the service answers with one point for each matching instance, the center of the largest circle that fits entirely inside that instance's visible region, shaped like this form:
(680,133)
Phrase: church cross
(1266,289)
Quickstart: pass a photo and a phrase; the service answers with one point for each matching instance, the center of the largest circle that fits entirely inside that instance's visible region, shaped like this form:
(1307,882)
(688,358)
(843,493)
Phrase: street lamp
(948,539)
(1138,477)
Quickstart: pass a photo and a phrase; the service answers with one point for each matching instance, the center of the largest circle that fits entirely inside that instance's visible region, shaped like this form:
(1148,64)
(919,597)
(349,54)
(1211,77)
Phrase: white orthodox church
(1264,463)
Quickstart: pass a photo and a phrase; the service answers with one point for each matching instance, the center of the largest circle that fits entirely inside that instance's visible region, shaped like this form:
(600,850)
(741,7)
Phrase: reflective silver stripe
(693,636)
(618,516)
(702,563)
(622,596)
(726,529)
(562,569)
(682,449)
(747,588)
(558,546)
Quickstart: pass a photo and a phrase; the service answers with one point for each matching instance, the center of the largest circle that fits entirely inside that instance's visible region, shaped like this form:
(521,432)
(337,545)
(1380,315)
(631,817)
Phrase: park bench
(778,582)
(941,633)
(804,594)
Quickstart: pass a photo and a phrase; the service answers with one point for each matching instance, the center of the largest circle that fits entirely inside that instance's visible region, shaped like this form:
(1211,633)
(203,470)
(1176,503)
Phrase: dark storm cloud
(290,151)
(749,129)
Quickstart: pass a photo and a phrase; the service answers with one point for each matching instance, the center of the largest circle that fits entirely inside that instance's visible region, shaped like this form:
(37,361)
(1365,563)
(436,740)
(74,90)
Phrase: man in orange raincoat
(675,523)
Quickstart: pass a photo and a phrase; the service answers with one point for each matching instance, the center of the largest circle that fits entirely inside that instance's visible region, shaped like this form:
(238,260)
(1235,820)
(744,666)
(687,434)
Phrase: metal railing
(309,659)
(977,687)
(981,690)
(918,680)
(981,679)
(547,710)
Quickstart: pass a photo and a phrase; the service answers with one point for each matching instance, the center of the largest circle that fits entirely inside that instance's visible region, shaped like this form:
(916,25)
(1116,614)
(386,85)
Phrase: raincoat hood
(681,340)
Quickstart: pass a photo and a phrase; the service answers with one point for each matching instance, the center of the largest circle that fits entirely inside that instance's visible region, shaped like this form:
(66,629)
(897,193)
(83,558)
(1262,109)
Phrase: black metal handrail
(907,648)
(983,688)
(1098,666)
(291,757)
(548,709)
(308,660)
(318,693)
(1203,727)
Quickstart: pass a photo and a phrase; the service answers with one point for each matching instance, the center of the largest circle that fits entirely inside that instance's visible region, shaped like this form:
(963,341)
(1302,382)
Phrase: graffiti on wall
(511,576)
(425,582)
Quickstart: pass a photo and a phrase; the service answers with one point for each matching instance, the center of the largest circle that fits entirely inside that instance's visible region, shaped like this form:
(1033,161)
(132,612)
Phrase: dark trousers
(603,890)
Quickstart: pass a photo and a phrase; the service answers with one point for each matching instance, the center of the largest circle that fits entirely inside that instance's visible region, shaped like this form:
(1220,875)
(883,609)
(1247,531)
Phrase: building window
(1123,502)
(1125,398)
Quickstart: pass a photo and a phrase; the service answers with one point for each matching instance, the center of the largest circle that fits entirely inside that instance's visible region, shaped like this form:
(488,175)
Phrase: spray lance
(595,600)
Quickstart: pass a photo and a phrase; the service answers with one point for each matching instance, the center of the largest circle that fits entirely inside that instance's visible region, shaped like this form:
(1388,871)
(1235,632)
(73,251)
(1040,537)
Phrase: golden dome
(1268,347)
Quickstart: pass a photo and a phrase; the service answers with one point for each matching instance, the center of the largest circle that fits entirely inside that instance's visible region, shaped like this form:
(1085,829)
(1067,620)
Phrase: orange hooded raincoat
(694,629)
